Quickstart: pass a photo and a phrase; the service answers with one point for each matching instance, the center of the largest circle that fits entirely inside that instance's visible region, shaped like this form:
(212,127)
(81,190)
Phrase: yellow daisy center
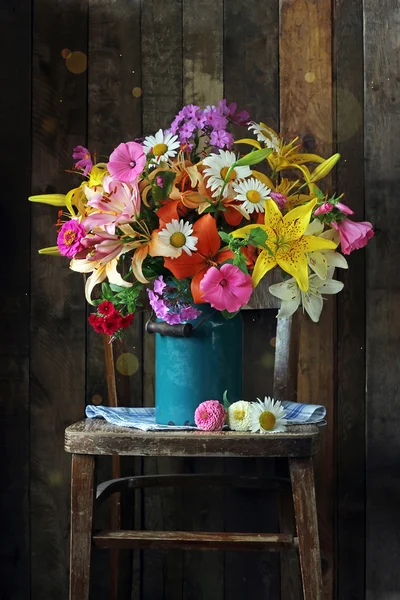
(267,420)
(160,149)
(253,196)
(225,170)
(239,414)
(177,239)
(69,237)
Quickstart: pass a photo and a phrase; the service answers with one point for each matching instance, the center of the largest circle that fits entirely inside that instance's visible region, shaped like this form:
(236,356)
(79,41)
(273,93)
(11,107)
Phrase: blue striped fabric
(145,418)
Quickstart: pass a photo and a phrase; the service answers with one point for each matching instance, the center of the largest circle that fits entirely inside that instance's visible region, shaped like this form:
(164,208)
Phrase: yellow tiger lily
(287,243)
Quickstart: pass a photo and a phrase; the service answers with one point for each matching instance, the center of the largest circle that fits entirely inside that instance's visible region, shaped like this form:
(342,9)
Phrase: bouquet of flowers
(191,217)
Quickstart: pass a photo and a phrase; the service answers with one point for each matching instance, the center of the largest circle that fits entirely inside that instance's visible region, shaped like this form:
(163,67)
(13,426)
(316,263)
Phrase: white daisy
(239,416)
(178,235)
(265,134)
(268,416)
(162,145)
(218,165)
(252,193)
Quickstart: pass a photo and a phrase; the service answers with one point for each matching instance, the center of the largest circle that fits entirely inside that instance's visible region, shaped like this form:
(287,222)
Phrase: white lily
(100,272)
(320,261)
(312,300)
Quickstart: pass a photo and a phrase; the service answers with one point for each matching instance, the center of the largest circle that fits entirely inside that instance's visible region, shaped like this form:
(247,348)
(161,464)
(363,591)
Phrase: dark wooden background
(325,69)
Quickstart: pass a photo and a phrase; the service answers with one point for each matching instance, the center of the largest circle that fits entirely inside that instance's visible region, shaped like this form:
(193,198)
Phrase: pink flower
(279,198)
(353,236)
(69,238)
(210,416)
(344,209)
(127,162)
(324,208)
(82,155)
(227,288)
(101,246)
(119,203)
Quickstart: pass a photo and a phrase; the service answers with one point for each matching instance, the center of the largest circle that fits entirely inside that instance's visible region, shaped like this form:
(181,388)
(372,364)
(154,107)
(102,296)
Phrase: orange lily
(208,254)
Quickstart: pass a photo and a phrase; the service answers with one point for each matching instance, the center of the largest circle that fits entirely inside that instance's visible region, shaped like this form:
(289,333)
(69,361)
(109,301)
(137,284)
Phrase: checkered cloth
(145,418)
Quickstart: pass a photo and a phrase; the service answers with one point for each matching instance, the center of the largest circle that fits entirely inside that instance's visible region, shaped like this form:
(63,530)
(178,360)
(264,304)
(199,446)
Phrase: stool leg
(82,497)
(302,478)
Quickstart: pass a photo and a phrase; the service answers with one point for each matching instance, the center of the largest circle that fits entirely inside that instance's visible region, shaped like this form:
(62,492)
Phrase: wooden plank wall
(327,70)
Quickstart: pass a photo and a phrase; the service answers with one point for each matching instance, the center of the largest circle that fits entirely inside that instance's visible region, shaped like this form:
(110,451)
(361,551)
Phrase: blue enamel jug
(190,370)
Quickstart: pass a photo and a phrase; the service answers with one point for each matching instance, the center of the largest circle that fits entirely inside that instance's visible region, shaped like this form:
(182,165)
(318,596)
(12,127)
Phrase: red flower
(209,254)
(96,322)
(106,308)
(128,320)
(112,323)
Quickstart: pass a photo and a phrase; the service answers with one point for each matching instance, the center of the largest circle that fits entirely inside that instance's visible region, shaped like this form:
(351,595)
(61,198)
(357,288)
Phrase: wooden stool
(90,438)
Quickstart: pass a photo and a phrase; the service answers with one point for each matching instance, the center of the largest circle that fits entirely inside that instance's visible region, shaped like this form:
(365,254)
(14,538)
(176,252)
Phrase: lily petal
(113,275)
(264,263)
(137,262)
(98,276)
(297,220)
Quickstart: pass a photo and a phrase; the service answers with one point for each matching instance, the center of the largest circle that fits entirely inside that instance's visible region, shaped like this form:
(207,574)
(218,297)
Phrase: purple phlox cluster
(193,122)
(171,310)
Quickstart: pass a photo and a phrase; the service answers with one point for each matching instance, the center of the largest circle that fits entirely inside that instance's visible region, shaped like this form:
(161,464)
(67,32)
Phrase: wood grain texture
(351,307)
(15,106)
(57,301)
(382,174)
(307,111)
(302,478)
(95,436)
(82,496)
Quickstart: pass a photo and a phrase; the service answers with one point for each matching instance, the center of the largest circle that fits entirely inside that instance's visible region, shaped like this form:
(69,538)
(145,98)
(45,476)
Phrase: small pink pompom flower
(210,416)
(127,162)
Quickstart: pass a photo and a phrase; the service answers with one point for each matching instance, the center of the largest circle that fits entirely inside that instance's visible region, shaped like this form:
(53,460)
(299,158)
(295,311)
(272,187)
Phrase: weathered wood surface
(382,176)
(82,496)
(96,436)
(58,322)
(350,435)
(302,477)
(307,110)
(15,107)
(193,541)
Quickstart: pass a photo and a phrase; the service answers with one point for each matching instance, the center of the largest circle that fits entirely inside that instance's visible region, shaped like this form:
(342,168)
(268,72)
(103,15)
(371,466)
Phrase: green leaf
(225,236)
(240,262)
(257,237)
(225,400)
(116,288)
(161,193)
(228,315)
(253,158)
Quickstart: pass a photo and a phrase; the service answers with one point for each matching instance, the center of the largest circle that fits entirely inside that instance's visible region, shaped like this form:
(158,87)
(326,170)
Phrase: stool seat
(98,437)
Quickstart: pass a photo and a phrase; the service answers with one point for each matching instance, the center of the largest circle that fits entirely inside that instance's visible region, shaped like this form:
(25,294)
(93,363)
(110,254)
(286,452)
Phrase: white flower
(252,193)
(312,300)
(218,165)
(320,261)
(265,134)
(178,235)
(268,416)
(239,416)
(162,145)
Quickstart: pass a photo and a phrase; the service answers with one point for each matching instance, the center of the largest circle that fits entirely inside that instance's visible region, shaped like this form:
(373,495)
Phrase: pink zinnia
(227,288)
(210,416)
(83,158)
(69,238)
(127,162)
(353,235)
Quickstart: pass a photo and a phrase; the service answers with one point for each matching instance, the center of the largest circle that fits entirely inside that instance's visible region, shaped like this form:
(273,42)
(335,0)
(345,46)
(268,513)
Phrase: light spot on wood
(127,363)
(137,91)
(76,62)
(309,77)
(97,399)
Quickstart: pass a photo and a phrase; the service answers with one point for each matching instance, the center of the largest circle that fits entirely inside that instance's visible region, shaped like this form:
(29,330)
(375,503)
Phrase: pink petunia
(83,158)
(127,162)
(227,288)
(210,416)
(69,239)
(353,235)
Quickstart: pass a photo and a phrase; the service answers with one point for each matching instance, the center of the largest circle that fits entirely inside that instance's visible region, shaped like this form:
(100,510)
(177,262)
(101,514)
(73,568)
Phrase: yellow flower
(288,246)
